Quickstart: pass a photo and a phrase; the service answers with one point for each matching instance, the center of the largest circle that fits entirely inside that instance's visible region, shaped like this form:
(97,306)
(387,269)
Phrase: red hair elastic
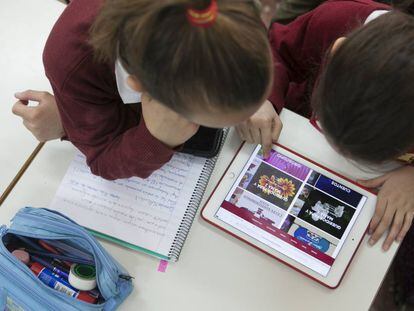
(203,18)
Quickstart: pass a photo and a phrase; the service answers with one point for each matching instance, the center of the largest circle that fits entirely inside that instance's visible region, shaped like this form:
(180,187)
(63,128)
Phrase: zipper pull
(125,277)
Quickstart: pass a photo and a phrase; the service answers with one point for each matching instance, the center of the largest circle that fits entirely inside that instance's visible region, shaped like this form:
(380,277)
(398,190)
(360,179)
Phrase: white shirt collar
(128,95)
(375,15)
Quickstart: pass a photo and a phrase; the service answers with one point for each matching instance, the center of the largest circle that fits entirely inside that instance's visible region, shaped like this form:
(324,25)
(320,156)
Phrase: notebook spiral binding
(195,202)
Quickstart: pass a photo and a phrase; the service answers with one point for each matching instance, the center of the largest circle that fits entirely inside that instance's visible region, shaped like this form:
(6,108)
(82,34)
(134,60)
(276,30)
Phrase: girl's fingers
(373,183)
(239,132)
(27,125)
(245,133)
(408,219)
(21,109)
(379,213)
(384,224)
(255,135)
(31,95)
(266,140)
(277,126)
(395,229)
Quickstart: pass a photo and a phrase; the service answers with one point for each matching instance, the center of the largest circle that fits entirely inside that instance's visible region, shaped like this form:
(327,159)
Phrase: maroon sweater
(114,137)
(300,47)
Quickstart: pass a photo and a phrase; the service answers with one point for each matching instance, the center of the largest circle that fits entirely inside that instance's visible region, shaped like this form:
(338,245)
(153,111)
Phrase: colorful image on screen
(292,208)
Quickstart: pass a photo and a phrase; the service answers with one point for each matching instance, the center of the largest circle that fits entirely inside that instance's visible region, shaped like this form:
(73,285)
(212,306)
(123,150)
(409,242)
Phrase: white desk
(24,27)
(216,271)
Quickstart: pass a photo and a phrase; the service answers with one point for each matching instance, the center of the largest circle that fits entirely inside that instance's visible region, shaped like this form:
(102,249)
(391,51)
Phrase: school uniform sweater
(300,47)
(113,136)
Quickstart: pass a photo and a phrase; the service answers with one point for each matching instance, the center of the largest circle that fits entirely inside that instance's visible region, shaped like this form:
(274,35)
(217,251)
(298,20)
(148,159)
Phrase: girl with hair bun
(188,63)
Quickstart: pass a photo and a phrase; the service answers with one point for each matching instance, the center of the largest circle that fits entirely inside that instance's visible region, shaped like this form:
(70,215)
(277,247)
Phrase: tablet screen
(292,208)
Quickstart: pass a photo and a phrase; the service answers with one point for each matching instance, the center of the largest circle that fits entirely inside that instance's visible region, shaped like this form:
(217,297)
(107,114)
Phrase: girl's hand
(42,120)
(395,205)
(166,125)
(263,127)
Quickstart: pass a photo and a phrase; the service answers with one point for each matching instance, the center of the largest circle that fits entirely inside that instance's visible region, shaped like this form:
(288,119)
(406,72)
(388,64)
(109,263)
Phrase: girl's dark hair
(227,66)
(365,96)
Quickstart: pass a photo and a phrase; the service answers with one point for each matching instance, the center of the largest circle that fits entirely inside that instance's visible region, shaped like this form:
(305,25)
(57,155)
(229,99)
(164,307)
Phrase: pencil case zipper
(83,233)
(15,302)
(35,293)
(109,267)
(113,281)
(25,270)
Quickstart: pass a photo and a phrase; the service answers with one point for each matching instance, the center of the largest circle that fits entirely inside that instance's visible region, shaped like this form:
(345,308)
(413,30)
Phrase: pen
(51,249)
(61,257)
(59,272)
(29,242)
(47,247)
(66,249)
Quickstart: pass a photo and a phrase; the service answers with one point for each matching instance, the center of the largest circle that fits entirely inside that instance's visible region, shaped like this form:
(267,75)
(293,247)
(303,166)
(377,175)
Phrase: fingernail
(385,247)
(370,231)
(17,94)
(371,242)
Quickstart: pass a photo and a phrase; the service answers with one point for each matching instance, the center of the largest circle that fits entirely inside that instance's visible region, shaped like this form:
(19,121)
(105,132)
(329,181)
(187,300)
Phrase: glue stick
(53,280)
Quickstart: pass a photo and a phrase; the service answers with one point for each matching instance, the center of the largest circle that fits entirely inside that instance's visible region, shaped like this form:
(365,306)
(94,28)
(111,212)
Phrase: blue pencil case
(21,289)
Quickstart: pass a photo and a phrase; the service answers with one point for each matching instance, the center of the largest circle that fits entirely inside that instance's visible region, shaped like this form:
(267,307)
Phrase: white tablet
(293,209)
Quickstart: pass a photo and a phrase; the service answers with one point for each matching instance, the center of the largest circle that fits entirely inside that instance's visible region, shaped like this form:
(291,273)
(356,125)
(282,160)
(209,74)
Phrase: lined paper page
(143,212)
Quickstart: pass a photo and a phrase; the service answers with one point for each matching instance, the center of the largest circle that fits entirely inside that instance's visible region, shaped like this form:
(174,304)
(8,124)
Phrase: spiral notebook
(152,215)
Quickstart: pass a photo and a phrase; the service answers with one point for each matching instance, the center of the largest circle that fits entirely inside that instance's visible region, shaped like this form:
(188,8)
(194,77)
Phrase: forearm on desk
(114,139)
(134,153)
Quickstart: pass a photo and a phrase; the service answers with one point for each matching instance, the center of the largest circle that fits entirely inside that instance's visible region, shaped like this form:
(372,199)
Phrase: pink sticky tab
(162,267)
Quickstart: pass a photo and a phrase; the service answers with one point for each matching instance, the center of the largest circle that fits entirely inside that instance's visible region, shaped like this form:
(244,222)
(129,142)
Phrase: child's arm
(44,122)
(115,138)
(395,205)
